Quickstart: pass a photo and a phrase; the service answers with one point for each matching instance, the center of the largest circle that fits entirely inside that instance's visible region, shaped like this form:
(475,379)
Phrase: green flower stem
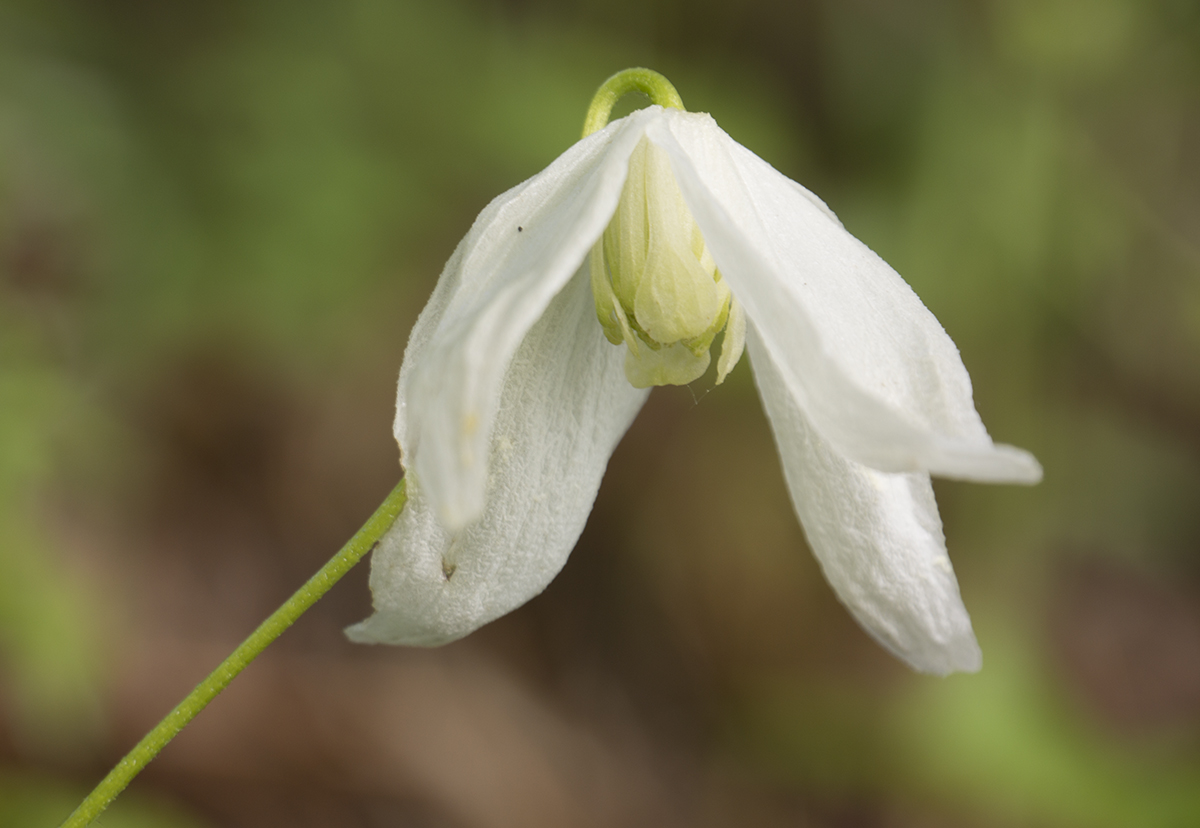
(655,86)
(154,741)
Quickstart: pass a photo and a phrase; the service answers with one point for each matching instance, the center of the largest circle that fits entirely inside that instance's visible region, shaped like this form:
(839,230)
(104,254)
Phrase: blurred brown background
(218,221)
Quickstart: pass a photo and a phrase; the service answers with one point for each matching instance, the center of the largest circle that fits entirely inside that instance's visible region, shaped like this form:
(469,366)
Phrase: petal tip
(1022,467)
(987,463)
(360,633)
(397,629)
(961,655)
(964,657)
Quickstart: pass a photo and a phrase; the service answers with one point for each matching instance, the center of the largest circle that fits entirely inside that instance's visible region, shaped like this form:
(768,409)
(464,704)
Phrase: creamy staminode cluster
(655,284)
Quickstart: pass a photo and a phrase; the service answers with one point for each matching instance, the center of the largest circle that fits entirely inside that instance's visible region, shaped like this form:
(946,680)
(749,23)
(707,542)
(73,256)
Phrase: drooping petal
(871,367)
(520,252)
(565,403)
(877,536)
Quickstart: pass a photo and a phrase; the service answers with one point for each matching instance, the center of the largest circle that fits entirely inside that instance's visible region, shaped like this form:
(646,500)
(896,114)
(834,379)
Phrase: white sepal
(877,536)
(520,252)
(871,367)
(565,403)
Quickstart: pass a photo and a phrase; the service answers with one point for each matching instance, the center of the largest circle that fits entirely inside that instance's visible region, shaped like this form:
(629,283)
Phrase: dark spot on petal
(519,228)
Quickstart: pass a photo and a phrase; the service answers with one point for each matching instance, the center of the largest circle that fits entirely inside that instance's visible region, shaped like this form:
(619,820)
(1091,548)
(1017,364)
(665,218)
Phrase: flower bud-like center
(656,286)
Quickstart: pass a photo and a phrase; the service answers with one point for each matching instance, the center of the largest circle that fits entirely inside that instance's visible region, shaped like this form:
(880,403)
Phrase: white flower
(512,397)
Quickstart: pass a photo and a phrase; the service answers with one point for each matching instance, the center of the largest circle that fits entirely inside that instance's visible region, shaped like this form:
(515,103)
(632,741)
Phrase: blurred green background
(218,221)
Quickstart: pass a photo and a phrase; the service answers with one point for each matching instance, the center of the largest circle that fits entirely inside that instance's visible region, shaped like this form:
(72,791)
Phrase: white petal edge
(877,536)
(565,403)
(872,368)
(520,252)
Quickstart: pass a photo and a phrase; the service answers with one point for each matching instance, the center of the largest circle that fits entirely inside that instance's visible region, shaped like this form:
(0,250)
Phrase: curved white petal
(872,368)
(520,252)
(564,406)
(876,534)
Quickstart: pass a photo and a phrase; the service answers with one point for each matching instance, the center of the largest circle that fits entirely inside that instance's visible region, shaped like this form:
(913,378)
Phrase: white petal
(877,536)
(869,364)
(522,249)
(564,406)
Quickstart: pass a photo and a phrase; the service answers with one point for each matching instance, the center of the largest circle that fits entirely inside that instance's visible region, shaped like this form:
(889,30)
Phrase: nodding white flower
(614,269)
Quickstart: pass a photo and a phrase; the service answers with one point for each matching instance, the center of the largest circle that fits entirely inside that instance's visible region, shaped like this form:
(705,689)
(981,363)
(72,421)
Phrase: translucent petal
(877,536)
(699,344)
(871,367)
(673,364)
(627,238)
(609,312)
(734,342)
(677,298)
(564,406)
(520,252)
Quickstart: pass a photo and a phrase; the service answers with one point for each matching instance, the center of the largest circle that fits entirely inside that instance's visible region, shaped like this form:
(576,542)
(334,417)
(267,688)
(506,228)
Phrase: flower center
(656,286)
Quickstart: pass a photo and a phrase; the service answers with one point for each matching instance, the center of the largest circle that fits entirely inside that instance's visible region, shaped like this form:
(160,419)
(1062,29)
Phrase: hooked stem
(651,83)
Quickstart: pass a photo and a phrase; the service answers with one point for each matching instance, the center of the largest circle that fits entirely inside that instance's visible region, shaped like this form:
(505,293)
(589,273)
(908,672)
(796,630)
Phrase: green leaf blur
(218,222)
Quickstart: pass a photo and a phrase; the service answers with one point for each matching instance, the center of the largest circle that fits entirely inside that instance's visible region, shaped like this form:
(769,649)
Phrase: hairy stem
(651,83)
(154,741)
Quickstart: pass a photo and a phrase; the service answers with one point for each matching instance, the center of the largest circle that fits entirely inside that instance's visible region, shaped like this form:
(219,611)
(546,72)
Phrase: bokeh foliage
(270,188)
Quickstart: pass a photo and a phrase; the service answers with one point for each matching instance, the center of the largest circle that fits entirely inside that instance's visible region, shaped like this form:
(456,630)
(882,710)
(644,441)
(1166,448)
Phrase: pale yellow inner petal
(655,282)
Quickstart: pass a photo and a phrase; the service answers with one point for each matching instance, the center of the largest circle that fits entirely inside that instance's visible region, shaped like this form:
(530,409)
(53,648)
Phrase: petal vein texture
(496,286)
(877,536)
(565,404)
